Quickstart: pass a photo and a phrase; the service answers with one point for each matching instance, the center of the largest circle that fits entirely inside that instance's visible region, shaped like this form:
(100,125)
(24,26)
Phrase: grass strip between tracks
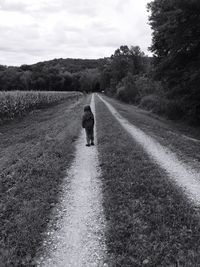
(149,222)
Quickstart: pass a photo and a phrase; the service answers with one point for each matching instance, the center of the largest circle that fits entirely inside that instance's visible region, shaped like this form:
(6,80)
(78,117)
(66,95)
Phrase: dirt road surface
(79,239)
(187,178)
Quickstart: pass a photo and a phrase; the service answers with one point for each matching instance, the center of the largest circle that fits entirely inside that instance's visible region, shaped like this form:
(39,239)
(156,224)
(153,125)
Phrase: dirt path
(79,240)
(186,177)
(178,137)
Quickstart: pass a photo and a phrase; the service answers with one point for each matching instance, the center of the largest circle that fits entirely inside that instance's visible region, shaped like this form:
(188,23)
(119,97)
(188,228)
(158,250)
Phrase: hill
(53,75)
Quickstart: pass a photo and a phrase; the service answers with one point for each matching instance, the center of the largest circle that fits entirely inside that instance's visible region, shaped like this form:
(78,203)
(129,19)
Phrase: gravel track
(79,239)
(184,176)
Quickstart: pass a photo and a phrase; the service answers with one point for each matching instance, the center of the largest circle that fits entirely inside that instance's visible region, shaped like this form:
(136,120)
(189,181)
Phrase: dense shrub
(147,86)
(122,94)
(154,103)
(174,110)
(127,90)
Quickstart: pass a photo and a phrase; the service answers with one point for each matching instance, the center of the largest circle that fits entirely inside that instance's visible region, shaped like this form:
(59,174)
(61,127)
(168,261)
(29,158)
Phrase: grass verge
(175,137)
(35,153)
(149,222)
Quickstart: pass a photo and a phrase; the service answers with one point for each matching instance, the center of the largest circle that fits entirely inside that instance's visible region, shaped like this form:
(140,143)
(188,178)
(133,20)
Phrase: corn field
(18,103)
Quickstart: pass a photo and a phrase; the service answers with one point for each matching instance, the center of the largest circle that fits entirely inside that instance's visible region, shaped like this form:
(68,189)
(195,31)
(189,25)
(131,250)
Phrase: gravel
(185,177)
(78,238)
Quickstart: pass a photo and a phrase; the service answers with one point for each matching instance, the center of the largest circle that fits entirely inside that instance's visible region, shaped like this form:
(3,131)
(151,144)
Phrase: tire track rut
(185,177)
(79,239)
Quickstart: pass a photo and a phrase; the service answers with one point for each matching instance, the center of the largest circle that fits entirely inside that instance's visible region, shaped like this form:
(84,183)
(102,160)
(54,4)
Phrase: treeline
(176,46)
(126,75)
(129,76)
(168,83)
(53,75)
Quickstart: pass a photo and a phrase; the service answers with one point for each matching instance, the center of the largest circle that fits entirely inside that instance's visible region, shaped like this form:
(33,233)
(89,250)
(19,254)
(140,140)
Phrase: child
(88,124)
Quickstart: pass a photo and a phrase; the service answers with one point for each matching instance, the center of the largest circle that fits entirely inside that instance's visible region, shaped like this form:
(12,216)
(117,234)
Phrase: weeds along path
(184,176)
(79,239)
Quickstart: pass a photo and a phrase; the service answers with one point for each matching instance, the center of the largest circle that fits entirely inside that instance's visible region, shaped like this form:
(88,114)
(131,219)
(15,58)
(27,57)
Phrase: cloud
(12,5)
(43,29)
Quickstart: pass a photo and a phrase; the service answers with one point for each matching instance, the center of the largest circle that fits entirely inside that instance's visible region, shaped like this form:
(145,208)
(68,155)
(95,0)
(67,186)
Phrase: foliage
(90,81)
(154,103)
(176,45)
(124,60)
(53,75)
(127,90)
(147,86)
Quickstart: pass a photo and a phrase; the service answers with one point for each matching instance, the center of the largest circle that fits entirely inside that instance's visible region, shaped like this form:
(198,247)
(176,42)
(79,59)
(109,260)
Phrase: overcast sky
(38,30)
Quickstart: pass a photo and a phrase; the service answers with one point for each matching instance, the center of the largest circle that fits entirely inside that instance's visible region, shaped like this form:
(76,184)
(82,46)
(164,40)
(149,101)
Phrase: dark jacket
(88,118)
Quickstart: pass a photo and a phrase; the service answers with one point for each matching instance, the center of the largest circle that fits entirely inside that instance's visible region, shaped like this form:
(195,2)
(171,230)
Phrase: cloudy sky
(38,30)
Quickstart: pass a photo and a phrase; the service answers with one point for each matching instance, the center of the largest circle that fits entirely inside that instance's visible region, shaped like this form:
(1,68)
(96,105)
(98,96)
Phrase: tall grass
(17,103)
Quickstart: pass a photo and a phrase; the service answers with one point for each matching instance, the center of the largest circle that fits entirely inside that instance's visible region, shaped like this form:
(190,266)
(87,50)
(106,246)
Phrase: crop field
(15,103)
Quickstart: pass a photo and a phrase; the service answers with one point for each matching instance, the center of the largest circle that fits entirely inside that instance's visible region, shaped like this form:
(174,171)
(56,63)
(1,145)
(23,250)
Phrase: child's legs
(89,135)
(92,135)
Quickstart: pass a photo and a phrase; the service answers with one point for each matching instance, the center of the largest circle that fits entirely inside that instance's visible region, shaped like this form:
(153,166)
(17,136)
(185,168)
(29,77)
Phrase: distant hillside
(74,74)
(53,75)
(68,64)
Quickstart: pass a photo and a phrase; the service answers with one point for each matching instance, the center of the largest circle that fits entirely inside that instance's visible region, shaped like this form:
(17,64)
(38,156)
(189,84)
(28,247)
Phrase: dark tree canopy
(176,45)
(125,60)
(53,75)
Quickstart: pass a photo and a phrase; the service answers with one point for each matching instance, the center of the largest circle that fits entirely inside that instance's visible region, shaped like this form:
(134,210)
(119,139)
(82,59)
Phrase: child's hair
(87,108)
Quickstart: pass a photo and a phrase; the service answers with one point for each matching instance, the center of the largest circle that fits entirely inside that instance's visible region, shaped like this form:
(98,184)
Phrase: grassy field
(149,221)
(18,103)
(34,155)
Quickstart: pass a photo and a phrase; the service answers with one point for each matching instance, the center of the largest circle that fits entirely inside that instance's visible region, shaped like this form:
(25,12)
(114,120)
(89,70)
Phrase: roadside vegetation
(16,104)
(167,83)
(184,139)
(149,220)
(35,153)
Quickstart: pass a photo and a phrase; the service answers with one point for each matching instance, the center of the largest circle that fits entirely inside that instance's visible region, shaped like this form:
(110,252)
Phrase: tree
(127,90)
(67,81)
(126,60)
(90,80)
(176,46)
(10,79)
(25,79)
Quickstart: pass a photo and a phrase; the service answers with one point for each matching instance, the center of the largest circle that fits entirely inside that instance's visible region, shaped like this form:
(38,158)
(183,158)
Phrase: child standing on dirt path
(88,125)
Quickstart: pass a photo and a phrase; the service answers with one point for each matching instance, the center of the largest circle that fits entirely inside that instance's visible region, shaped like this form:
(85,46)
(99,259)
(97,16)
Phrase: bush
(147,86)
(110,91)
(174,110)
(122,94)
(127,90)
(155,104)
